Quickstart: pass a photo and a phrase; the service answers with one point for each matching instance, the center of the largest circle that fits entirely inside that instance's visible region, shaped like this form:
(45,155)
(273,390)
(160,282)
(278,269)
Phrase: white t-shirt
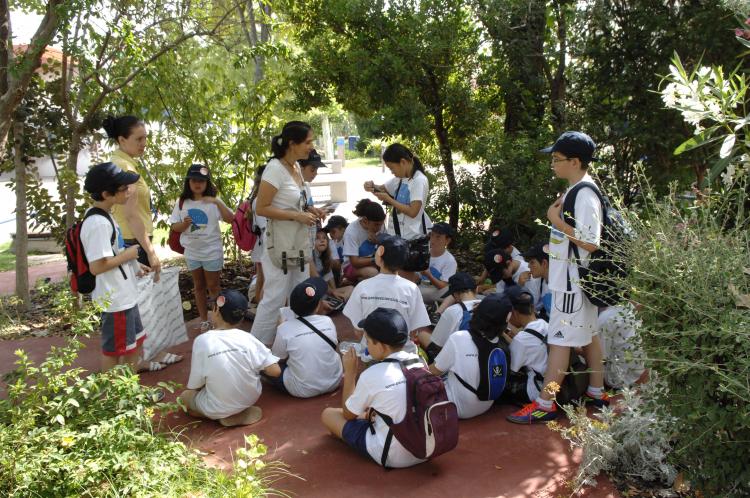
(356,241)
(416,188)
(319,266)
(387,291)
(226,367)
(588,228)
(617,331)
(121,292)
(522,268)
(526,350)
(541,293)
(442,267)
(313,366)
(383,387)
(450,321)
(461,356)
(202,239)
(289,195)
(337,248)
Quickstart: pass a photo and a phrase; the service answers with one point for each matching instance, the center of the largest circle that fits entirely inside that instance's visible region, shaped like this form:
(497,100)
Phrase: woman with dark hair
(360,240)
(196,217)
(134,217)
(406,193)
(281,197)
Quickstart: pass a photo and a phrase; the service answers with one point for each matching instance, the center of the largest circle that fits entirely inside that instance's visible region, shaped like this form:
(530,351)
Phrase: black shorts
(122,332)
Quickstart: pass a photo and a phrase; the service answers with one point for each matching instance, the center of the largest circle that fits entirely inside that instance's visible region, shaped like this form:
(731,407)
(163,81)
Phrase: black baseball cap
(107,176)
(386,325)
(444,228)
(198,172)
(494,308)
(335,221)
(313,160)
(460,282)
(539,252)
(232,305)
(306,296)
(573,144)
(501,238)
(396,250)
(519,296)
(495,261)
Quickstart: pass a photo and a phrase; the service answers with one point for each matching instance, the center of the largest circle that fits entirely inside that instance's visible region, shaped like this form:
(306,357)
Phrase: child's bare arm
(105,264)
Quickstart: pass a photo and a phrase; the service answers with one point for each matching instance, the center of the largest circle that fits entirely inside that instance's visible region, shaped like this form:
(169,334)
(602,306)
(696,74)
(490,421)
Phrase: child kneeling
(381,388)
(224,379)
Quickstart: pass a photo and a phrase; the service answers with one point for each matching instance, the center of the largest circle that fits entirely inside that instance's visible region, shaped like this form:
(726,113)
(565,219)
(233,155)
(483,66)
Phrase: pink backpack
(430,427)
(242,228)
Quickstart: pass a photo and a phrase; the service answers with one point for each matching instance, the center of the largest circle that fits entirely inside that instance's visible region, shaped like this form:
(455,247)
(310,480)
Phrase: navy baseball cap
(232,305)
(460,282)
(445,229)
(396,250)
(519,295)
(494,308)
(198,172)
(539,252)
(306,296)
(313,160)
(335,221)
(573,144)
(495,261)
(104,176)
(386,325)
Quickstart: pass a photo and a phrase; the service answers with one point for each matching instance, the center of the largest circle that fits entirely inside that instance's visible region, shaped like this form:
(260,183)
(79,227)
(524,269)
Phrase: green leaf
(696,141)
(60,419)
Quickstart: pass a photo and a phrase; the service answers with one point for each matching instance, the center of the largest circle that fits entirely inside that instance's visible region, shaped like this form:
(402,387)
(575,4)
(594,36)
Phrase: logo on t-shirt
(559,335)
(556,236)
(403,196)
(199,217)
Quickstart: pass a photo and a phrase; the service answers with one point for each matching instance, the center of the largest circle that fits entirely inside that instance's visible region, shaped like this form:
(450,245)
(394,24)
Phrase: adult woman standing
(134,217)
(281,197)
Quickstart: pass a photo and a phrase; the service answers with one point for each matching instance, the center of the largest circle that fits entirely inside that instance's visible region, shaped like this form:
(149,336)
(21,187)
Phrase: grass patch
(362,162)
(7,258)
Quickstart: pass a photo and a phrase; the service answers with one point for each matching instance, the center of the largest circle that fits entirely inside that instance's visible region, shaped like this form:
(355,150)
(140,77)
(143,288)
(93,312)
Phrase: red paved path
(55,271)
(493,457)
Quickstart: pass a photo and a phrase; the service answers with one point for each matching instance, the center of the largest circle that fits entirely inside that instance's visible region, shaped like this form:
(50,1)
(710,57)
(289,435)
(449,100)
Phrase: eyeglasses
(556,160)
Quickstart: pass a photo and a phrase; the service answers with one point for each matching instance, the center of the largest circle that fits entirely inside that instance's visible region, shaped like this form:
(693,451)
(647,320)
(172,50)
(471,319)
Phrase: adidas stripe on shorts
(573,319)
(122,332)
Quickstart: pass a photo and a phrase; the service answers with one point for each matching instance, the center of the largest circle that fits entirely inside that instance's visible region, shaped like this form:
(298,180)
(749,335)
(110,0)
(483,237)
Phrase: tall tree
(411,63)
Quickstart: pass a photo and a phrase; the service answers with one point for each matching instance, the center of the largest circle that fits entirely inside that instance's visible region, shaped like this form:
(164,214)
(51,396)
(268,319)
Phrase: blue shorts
(122,332)
(354,434)
(278,382)
(211,265)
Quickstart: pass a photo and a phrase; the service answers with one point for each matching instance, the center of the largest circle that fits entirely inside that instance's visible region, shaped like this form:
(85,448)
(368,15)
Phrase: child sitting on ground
(538,261)
(461,288)
(335,229)
(442,264)
(308,344)
(388,289)
(381,387)
(460,357)
(224,381)
(623,356)
(322,258)
(360,239)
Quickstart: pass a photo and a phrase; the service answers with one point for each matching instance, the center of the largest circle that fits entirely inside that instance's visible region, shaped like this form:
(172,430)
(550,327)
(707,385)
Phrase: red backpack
(81,279)
(430,427)
(242,228)
(174,238)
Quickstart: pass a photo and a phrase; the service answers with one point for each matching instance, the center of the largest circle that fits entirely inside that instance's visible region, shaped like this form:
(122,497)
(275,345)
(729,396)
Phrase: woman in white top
(406,193)
(279,195)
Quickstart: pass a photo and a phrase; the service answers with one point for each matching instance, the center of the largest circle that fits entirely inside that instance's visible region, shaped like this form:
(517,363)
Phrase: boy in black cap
(381,387)
(538,261)
(224,381)
(574,236)
(442,263)
(335,229)
(308,344)
(462,289)
(114,267)
(388,289)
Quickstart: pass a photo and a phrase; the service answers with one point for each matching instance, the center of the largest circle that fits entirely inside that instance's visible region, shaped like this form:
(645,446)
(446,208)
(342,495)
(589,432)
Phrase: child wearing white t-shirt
(360,239)
(459,358)
(443,265)
(381,388)
(224,381)
(388,290)
(308,343)
(196,217)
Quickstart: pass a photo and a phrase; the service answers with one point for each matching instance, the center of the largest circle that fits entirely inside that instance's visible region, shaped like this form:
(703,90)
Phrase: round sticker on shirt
(310,291)
(204,171)
(220,301)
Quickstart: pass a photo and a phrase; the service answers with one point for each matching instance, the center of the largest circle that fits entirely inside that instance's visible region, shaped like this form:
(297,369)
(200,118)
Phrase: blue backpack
(465,318)
(493,368)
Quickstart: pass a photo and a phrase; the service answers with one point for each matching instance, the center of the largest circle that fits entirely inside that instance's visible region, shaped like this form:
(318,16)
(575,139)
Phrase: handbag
(418,258)
(288,243)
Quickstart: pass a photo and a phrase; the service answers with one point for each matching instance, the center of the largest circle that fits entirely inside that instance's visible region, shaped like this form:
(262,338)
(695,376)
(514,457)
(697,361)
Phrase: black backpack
(418,258)
(601,280)
(81,279)
(494,359)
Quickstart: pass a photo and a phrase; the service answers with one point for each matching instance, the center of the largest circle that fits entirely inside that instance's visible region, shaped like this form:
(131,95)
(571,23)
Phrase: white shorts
(573,320)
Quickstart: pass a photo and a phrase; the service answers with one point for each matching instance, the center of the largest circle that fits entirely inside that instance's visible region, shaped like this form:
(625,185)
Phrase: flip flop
(151,366)
(170,359)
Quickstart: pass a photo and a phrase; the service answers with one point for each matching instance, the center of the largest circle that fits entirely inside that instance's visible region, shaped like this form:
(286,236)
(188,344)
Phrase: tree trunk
(71,178)
(22,236)
(446,158)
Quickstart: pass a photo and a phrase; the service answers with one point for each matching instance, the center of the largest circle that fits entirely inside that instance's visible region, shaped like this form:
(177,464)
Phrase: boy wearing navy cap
(308,343)
(574,235)
(381,387)
(224,381)
(114,267)
(538,260)
(442,263)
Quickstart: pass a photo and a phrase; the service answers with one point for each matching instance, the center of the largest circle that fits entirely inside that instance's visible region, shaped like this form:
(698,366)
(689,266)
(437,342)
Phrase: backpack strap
(320,334)
(568,216)
(536,334)
(394,212)
(100,212)
(463,306)
(466,384)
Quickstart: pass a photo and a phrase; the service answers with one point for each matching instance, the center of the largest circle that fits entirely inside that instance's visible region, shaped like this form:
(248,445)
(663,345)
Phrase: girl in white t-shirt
(196,217)
(280,196)
(323,261)
(406,193)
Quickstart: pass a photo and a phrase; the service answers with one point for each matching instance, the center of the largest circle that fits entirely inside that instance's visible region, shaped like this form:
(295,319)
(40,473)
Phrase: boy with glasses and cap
(442,264)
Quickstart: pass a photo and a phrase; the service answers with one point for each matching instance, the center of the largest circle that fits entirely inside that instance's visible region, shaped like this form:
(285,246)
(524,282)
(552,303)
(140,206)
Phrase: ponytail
(121,126)
(395,152)
(293,131)
(370,210)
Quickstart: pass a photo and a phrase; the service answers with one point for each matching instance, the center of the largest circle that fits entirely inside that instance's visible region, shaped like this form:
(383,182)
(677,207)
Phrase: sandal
(170,359)
(151,366)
